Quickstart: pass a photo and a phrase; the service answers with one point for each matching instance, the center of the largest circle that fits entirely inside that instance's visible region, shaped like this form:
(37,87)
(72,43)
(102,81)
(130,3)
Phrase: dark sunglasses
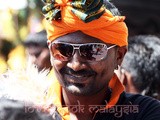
(88,51)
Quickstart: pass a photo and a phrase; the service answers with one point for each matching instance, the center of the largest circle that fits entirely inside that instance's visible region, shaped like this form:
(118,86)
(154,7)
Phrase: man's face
(39,56)
(79,76)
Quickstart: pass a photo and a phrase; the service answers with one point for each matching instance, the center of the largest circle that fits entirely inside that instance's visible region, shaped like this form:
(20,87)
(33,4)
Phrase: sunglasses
(89,51)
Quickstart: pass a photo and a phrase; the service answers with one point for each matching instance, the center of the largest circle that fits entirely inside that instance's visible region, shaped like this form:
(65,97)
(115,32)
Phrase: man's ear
(124,79)
(121,51)
(128,83)
(122,76)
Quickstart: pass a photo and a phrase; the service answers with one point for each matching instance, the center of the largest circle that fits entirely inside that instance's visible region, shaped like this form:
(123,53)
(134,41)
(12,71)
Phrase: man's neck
(80,106)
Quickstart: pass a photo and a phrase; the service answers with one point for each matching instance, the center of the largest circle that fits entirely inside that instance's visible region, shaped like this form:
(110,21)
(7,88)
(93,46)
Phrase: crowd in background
(16,22)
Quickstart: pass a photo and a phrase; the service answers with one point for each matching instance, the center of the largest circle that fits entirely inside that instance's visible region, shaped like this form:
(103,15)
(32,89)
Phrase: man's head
(141,65)
(85,50)
(37,50)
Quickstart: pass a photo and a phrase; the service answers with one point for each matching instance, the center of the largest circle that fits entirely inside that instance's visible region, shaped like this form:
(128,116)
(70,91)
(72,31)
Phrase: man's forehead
(78,37)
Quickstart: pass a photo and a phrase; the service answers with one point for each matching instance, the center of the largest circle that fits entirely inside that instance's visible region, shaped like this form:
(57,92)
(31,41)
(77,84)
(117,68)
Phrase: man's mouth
(78,77)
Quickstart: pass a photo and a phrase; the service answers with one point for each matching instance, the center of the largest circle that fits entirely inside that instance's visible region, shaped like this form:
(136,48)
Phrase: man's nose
(77,62)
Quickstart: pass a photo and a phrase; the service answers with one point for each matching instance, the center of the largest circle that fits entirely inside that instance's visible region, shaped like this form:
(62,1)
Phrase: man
(141,66)
(37,50)
(87,42)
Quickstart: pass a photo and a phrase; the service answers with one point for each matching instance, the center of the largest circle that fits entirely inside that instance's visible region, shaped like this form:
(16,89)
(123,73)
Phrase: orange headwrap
(108,28)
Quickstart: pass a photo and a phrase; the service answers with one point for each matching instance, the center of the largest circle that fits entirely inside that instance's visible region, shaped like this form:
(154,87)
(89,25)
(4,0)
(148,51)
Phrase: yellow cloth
(17,58)
(54,96)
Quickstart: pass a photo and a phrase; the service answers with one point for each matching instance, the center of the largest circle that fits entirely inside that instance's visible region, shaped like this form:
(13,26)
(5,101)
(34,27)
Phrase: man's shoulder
(137,99)
(148,108)
(132,107)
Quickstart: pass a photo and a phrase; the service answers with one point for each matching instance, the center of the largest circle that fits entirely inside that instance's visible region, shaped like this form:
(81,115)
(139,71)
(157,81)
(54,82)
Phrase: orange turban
(106,27)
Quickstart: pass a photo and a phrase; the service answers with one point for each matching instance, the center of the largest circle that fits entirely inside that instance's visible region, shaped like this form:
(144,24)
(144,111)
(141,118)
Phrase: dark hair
(6,47)
(36,39)
(142,61)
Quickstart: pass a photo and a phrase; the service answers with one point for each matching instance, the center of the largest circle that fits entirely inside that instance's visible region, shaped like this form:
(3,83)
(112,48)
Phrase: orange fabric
(54,97)
(117,89)
(108,28)
(55,92)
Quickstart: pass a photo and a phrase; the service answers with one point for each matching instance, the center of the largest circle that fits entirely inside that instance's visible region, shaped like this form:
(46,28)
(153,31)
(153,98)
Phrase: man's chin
(74,89)
(78,90)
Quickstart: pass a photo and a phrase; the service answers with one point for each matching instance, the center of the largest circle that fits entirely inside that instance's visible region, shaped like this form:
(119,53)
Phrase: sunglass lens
(93,52)
(62,51)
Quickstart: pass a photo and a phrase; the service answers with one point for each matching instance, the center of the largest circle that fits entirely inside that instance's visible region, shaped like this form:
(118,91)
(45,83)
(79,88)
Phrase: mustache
(83,72)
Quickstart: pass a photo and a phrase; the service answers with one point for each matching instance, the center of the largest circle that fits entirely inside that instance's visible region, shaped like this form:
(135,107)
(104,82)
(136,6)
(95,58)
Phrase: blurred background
(18,18)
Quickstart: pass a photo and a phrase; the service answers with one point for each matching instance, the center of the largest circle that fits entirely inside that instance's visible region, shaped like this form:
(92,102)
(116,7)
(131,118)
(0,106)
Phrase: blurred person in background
(37,50)
(16,21)
(140,70)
